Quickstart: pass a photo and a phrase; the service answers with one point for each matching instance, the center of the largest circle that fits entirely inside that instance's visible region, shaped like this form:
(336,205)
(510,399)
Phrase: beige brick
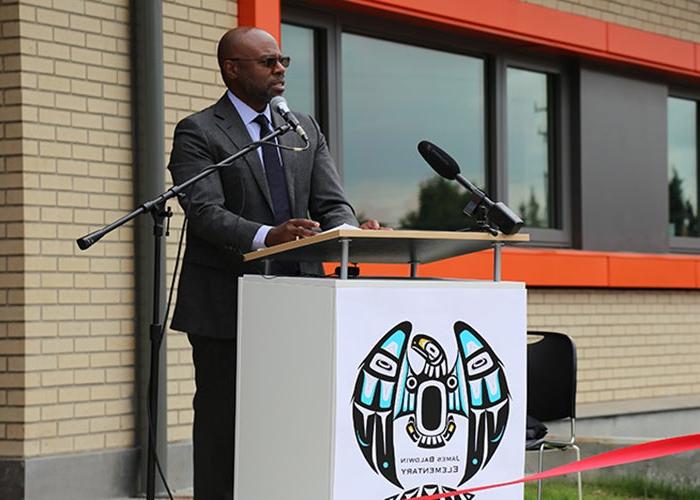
(40,296)
(56,378)
(116,92)
(120,439)
(89,376)
(101,74)
(97,9)
(73,426)
(73,361)
(113,60)
(56,445)
(93,409)
(105,327)
(88,88)
(105,392)
(107,359)
(33,397)
(84,23)
(90,344)
(85,152)
(122,374)
(73,394)
(56,345)
(104,424)
(102,106)
(115,29)
(120,407)
(37,32)
(68,264)
(70,37)
(85,312)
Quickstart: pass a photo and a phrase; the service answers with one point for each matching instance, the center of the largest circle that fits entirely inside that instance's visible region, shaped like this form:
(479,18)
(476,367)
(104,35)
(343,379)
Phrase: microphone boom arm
(159,201)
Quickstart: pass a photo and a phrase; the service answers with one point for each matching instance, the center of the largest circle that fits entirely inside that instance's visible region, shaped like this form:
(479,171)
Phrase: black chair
(551,390)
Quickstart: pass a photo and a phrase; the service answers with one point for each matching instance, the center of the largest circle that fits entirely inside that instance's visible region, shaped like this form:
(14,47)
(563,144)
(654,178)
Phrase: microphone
(279,104)
(497,213)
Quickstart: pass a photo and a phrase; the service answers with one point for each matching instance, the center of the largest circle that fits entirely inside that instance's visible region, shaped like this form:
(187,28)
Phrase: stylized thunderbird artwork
(429,403)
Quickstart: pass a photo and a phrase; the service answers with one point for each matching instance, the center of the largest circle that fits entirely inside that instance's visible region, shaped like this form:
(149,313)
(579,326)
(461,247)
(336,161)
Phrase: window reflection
(683,167)
(528,151)
(299,43)
(393,96)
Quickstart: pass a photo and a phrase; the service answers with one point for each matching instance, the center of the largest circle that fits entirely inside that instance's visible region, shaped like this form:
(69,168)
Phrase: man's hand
(291,230)
(373,224)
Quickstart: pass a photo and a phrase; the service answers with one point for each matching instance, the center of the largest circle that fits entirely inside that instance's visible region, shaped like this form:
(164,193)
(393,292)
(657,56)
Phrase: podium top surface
(386,247)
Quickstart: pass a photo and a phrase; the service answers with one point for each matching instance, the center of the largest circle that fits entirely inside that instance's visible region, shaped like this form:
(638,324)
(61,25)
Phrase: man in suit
(271,196)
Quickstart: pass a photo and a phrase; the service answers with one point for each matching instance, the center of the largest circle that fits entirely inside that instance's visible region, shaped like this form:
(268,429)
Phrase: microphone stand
(160,212)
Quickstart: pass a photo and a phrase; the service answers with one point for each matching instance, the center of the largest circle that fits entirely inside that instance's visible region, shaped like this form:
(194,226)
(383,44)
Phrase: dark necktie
(274,172)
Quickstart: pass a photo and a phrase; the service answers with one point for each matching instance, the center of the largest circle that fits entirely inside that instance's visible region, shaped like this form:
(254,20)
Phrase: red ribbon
(627,455)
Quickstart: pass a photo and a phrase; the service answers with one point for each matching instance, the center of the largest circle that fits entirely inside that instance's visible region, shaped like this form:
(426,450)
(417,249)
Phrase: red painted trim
(544,26)
(562,268)
(263,14)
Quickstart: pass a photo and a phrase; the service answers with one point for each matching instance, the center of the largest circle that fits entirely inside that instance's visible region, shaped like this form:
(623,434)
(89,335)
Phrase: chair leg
(540,464)
(578,457)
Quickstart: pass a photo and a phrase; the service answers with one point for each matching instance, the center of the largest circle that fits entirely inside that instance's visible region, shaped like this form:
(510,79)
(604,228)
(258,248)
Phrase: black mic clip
(480,213)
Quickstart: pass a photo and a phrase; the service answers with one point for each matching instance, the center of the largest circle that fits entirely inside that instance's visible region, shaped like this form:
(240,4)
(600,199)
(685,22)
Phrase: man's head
(250,64)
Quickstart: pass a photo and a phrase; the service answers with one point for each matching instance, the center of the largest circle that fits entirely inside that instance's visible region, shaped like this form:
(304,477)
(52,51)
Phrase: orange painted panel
(545,26)
(477,265)
(653,271)
(559,268)
(651,47)
(263,14)
(556,268)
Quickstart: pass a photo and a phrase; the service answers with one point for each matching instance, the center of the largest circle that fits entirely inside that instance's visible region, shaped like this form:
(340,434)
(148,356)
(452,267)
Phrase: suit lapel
(233,127)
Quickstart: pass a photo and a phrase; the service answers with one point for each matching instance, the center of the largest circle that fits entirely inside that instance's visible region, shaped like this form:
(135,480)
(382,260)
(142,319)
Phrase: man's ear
(230,69)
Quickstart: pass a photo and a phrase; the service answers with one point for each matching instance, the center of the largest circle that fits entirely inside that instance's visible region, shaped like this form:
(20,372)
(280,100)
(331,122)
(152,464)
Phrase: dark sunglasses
(268,62)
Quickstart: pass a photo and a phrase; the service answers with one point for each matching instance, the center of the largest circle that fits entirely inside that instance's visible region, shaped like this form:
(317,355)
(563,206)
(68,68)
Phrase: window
(529,144)
(683,167)
(300,43)
(391,100)
(383,89)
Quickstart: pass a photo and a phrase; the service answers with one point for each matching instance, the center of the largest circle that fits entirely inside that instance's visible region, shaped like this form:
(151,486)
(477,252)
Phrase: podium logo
(452,415)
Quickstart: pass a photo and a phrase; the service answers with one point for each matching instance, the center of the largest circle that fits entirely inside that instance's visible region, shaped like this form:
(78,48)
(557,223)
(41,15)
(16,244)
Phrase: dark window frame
(558,120)
(686,244)
(497,56)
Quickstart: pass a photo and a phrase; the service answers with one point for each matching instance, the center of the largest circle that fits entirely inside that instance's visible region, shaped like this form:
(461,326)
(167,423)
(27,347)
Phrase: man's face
(254,82)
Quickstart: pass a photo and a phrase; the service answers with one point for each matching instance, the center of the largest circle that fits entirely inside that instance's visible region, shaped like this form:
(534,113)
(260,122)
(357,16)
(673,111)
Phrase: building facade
(581,115)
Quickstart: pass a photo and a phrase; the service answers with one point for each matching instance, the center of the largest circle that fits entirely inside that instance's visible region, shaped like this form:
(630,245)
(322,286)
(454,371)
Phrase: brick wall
(675,18)
(67,367)
(11,247)
(631,343)
(192,29)
(69,341)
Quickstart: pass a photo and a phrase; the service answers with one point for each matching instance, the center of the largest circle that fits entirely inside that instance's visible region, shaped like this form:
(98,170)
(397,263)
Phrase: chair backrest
(551,376)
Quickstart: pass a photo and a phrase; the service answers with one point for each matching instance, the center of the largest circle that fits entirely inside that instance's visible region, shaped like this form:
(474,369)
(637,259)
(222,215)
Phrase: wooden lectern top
(386,247)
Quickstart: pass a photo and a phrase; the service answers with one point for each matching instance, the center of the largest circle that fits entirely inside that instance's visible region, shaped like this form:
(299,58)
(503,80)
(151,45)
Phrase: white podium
(378,389)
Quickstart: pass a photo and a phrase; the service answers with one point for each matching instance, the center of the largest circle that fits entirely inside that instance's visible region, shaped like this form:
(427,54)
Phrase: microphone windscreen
(279,104)
(441,162)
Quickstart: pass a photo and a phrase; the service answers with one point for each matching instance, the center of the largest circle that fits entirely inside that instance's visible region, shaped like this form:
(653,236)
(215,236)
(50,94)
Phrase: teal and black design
(374,397)
(430,402)
(488,399)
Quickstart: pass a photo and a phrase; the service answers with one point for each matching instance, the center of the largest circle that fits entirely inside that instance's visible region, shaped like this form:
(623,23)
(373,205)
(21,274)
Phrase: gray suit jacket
(227,208)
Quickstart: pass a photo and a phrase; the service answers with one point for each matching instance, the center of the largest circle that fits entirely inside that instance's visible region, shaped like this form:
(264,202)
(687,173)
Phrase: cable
(162,333)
